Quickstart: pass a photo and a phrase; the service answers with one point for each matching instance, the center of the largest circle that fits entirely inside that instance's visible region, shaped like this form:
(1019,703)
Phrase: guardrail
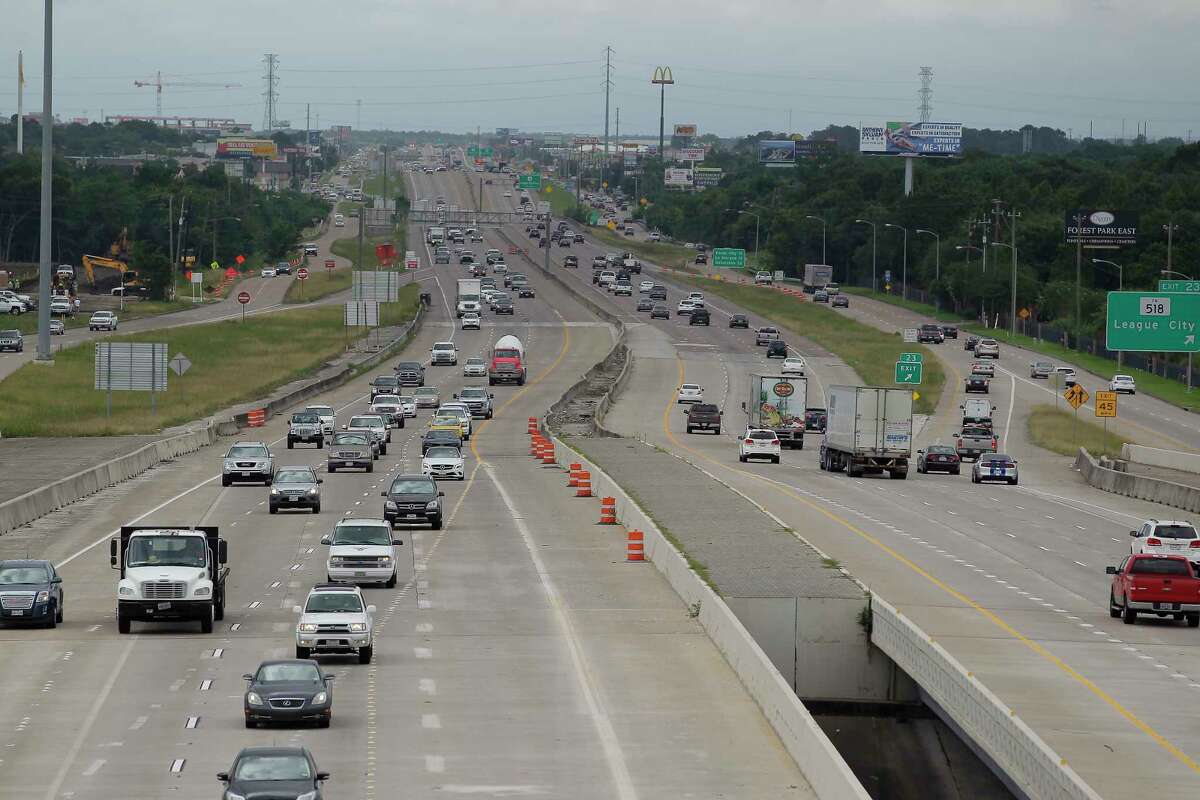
(1142,487)
(1033,767)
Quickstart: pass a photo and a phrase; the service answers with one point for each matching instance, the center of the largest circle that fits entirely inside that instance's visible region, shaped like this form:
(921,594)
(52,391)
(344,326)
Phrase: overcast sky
(740,66)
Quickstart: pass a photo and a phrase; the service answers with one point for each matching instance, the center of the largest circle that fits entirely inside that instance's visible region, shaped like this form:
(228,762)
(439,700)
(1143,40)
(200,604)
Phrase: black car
(571,262)
(289,690)
(930,334)
(815,419)
(414,499)
(385,384)
(502,306)
(950,331)
(440,438)
(525,290)
(977,383)
(30,592)
(658,292)
(410,373)
(777,349)
(276,772)
(840,301)
(645,304)
(660,312)
(283,268)
(938,458)
(739,321)
(699,316)
(970,342)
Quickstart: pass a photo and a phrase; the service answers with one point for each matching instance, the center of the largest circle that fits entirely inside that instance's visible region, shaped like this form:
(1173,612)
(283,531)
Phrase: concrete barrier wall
(26,508)
(1157,457)
(827,772)
(1142,487)
(1034,769)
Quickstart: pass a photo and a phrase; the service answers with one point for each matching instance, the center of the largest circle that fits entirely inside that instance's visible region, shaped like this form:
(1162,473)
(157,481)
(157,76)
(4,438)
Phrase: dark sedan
(645,304)
(440,438)
(30,592)
(660,312)
(276,772)
(977,383)
(292,690)
(658,292)
(502,306)
(739,321)
(525,290)
(950,331)
(938,458)
(970,342)
(777,349)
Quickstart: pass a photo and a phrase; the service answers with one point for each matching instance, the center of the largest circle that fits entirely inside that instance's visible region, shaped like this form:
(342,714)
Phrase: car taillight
(774,441)
(993,442)
(960,442)
(749,441)
(1195,543)
(1154,542)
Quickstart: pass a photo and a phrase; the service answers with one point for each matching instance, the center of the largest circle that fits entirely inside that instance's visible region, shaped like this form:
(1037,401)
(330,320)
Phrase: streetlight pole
(873,249)
(904,274)
(1120,288)
(966,249)
(756,221)
(1170,228)
(822,221)
(662,77)
(937,274)
(43,344)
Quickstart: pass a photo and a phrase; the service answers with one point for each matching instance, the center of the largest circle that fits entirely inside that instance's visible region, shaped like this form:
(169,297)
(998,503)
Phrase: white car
(427,396)
(1066,375)
(987,348)
(328,418)
(696,297)
(475,367)
(444,462)
(408,405)
(62,306)
(793,366)
(268,272)
(690,393)
(1166,537)
(685,308)
(499,268)
(994,467)
(388,407)
(655,236)
(985,368)
(11,306)
(645,286)
(339,221)
(361,551)
(606,277)
(335,619)
(763,278)
(471,322)
(310,249)
(1122,383)
(508,194)
(102,321)
(759,443)
(444,353)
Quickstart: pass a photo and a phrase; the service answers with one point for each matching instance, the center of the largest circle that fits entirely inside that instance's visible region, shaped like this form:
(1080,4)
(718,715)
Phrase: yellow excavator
(116,260)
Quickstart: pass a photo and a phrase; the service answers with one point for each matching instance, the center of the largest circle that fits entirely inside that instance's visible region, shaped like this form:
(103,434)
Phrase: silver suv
(374,426)
(335,619)
(477,400)
(248,461)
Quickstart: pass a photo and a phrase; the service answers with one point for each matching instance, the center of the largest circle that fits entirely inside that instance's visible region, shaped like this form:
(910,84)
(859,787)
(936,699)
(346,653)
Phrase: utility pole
(607,89)
(44,355)
(308,138)
(1170,228)
(21,102)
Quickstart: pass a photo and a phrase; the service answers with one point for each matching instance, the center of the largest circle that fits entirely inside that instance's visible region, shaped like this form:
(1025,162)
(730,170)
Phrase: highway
(519,656)
(1010,580)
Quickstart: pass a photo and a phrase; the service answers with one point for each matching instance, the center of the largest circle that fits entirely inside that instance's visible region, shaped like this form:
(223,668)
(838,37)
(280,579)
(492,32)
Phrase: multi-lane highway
(1009,579)
(518,656)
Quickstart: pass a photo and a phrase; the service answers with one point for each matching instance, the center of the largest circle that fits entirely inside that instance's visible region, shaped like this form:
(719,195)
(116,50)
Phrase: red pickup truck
(1160,585)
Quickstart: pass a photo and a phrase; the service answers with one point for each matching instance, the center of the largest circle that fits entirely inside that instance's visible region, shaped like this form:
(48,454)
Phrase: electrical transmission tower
(926,93)
(271,95)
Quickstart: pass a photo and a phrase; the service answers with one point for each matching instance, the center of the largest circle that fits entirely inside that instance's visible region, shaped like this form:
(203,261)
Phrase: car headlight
(274,491)
(203,591)
(390,505)
(228,465)
(307,796)
(313,491)
(320,698)
(308,627)
(253,699)
(126,591)
(235,796)
(431,505)
(385,559)
(358,627)
(43,597)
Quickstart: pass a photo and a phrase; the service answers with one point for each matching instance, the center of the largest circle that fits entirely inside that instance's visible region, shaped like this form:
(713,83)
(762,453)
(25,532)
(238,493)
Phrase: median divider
(1143,487)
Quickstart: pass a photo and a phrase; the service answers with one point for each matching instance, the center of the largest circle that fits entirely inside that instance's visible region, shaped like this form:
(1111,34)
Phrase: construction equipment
(158,85)
(127,276)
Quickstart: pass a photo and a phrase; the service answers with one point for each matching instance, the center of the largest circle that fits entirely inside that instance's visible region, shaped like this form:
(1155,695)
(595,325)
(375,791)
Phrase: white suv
(361,551)
(335,619)
(759,443)
(443,353)
(1166,537)
(248,461)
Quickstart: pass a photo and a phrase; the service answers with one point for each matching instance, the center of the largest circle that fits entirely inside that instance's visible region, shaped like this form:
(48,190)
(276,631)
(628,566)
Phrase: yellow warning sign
(1106,404)
(1076,395)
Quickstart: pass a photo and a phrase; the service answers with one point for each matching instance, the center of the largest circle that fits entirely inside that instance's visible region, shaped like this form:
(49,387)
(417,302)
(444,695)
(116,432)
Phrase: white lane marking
(206,684)
(431,721)
(192,723)
(427,686)
(177,765)
(1012,399)
(93,768)
(609,741)
(435,764)
(218,652)
(425,627)
(85,727)
(422,652)
(255,604)
(138,723)
(1080,563)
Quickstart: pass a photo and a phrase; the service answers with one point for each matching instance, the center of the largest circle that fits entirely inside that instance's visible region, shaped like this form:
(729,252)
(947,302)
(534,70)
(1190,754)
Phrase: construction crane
(158,85)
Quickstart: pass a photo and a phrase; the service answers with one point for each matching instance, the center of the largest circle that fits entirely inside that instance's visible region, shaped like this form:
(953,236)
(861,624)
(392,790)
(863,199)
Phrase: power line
(489,68)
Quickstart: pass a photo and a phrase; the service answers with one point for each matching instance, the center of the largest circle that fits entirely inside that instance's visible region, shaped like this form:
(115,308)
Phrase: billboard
(673,176)
(912,139)
(314,138)
(812,148)
(630,159)
(685,130)
(246,148)
(691,153)
(707,176)
(1100,228)
(777,152)
(341,133)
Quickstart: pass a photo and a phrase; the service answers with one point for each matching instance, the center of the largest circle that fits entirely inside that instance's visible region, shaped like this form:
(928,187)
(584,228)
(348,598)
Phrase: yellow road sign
(1076,395)
(1106,404)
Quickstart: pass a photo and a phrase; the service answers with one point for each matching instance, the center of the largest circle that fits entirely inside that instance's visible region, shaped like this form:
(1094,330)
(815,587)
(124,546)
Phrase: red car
(1165,586)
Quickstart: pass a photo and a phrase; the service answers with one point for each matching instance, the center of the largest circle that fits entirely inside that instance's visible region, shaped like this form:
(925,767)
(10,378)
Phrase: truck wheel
(316,509)
(52,622)
(273,509)
(206,624)
(800,444)
(898,475)
(321,443)
(291,444)
(370,466)
(58,612)
(1114,610)
(365,653)
(1128,615)
(219,611)
(383,449)
(251,723)
(331,469)
(224,481)
(436,524)
(1193,620)
(689,428)
(491,382)
(775,460)
(521,381)
(391,582)
(301,652)
(123,623)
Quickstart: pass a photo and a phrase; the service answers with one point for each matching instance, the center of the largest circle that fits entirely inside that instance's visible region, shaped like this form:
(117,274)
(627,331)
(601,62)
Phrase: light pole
(873,249)
(1166,273)
(1120,287)
(756,221)
(937,264)
(662,77)
(904,273)
(967,248)
(214,222)
(1012,309)
(45,238)
(1170,228)
(822,221)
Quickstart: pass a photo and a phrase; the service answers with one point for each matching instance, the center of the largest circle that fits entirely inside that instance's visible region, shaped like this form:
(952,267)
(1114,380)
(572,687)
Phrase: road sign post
(302,276)
(1075,395)
(243,298)
(731,257)
(1106,406)
(909,372)
(910,335)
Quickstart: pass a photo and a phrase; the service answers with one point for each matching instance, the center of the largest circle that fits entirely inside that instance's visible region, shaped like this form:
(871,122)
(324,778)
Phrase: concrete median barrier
(1157,457)
(1142,487)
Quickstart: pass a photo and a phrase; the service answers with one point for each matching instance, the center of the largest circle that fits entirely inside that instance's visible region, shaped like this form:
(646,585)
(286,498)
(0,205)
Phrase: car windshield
(761,435)
(247,451)
(1160,566)
(288,673)
(349,438)
(166,551)
(349,533)
(273,768)
(1123,378)
(443,346)
(408,365)
(321,411)
(446,419)
(425,391)
(999,461)
(10,334)
(414,486)
(9,575)
(384,380)
(1175,531)
(406,399)
(333,603)
(704,408)
(473,393)
(443,452)
(295,476)
(366,422)
(308,417)
(942,450)
(473,361)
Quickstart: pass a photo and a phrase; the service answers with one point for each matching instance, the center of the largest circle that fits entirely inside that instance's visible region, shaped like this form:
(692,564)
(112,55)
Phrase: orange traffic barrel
(548,453)
(573,474)
(635,546)
(583,485)
(608,511)
(256,418)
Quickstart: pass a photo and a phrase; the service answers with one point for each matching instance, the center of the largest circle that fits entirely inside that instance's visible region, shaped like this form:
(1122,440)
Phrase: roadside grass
(1058,431)
(1148,383)
(666,255)
(320,284)
(869,352)
(348,247)
(939,314)
(232,362)
(562,202)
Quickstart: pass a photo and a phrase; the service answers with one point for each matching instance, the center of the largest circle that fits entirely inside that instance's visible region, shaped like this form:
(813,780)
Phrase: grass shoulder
(1060,431)
(657,252)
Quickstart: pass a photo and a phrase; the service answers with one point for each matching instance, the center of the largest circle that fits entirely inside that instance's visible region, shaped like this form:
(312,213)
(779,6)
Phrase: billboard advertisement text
(707,176)
(246,148)
(673,176)
(685,130)
(1101,228)
(912,138)
(777,152)
(691,153)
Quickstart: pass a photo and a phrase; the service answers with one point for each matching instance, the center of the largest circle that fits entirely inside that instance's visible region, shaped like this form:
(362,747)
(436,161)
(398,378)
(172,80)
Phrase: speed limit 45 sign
(1106,404)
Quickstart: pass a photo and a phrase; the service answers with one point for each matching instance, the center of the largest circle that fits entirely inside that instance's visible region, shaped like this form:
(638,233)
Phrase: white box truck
(169,574)
(777,403)
(817,276)
(469,296)
(868,430)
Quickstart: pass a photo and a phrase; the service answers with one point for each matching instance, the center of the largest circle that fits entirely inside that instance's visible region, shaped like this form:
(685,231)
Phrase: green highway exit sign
(532,181)
(729,257)
(911,358)
(1179,286)
(909,372)
(479,152)
(1164,322)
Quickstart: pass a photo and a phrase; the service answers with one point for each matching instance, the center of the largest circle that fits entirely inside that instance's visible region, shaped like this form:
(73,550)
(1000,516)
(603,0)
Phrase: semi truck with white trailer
(868,429)
(817,276)
(777,403)
(169,574)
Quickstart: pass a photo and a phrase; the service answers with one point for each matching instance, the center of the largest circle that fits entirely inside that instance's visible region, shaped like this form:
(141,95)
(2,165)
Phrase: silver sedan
(994,467)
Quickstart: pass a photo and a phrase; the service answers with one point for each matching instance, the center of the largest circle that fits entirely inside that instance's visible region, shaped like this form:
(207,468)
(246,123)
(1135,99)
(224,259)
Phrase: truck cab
(169,574)
(508,362)
(362,551)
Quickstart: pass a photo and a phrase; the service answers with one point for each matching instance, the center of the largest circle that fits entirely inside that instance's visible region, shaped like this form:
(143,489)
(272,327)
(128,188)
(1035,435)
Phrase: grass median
(1060,431)
(320,284)
(348,248)
(869,352)
(232,362)
(671,255)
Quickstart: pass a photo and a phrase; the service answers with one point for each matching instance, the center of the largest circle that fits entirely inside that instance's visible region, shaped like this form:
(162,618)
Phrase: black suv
(699,316)
(384,384)
(950,331)
(930,334)
(413,499)
(739,321)
(777,349)
(410,373)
